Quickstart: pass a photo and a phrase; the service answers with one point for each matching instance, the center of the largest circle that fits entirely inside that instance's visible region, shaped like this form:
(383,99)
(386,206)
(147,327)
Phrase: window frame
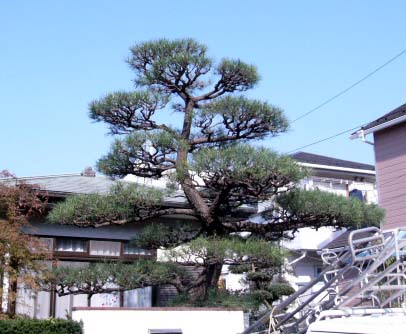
(127,255)
(71,253)
(81,256)
(106,256)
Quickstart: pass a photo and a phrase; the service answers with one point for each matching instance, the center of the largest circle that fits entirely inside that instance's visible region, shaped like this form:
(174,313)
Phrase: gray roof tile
(69,184)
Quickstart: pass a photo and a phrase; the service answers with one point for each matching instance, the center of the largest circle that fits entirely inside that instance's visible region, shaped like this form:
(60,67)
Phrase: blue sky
(57,56)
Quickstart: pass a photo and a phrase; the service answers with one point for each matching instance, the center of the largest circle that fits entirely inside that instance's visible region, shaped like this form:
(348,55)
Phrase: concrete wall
(304,271)
(141,321)
(390,156)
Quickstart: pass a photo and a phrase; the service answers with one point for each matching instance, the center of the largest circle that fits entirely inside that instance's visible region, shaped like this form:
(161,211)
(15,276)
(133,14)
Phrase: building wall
(310,240)
(390,156)
(42,304)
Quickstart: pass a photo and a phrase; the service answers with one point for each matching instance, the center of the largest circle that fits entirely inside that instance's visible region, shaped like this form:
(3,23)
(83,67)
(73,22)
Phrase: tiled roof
(316,159)
(398,112)
(71,183)
(68,184)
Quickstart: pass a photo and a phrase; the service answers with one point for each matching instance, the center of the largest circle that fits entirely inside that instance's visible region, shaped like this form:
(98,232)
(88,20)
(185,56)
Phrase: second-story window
(71,245)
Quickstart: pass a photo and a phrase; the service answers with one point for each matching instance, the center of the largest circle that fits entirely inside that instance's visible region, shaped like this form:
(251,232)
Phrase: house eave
(337,168)
(360,133)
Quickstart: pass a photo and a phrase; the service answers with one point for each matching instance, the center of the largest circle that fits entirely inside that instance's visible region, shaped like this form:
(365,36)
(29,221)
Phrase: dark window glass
(70,245)
(130,249)
(357,194)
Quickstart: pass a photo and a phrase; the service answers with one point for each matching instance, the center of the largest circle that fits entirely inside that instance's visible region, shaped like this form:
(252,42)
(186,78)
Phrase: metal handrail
(262,320)
(366,255)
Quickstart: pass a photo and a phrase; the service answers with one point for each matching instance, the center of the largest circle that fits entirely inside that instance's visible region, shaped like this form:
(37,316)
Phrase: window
(355,193)
(47,243)
(41,245)
(130,249)
(138,297)
(104,248)
(71,245)
(317,270)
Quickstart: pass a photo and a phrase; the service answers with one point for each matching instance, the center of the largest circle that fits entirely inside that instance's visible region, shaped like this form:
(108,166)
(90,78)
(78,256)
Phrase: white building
(342,177)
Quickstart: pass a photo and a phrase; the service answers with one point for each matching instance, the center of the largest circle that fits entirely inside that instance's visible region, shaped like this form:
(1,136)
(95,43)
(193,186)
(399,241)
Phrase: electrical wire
(325,139)
(350,87)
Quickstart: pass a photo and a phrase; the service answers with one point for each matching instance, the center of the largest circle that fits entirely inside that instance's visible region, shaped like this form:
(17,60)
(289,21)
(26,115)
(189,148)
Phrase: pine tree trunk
(213,273)
(208,278)
(12,296)
(210,275)
(89,300)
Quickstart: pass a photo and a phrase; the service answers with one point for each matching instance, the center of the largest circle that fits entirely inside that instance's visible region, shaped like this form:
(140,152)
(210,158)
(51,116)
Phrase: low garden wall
(173,320)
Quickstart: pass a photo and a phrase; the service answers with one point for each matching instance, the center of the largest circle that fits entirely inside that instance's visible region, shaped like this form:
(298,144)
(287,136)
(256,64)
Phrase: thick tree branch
(146,215)
(182,169)
(142,154)
(234,118)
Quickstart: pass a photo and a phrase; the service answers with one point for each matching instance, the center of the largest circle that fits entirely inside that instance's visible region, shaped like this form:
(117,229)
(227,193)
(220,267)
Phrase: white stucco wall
(4,292)
(140,321)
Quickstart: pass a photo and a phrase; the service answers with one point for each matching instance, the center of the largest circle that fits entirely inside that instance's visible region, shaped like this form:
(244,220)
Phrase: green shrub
(36,326)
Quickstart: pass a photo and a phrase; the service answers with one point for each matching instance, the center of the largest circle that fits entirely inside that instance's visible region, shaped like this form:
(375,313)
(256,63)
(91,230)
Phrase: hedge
(36,326)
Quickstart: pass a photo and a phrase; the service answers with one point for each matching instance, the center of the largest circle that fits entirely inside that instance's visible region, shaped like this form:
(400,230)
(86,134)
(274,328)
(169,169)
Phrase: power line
(350,87)
(325,139)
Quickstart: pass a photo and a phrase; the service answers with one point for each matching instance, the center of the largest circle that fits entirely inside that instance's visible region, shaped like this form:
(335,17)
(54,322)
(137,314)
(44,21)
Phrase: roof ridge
(327,156)
(53,176)
(318,159)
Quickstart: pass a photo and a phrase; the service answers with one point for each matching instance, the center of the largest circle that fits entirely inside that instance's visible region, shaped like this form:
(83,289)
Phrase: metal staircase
(370,272)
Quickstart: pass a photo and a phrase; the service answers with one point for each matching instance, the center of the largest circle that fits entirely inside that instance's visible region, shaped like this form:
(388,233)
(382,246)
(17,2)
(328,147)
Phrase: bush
(36,326)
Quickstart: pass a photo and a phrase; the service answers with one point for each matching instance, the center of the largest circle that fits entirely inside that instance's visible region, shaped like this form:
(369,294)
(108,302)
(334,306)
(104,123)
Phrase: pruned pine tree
(110,277)
(209,155)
